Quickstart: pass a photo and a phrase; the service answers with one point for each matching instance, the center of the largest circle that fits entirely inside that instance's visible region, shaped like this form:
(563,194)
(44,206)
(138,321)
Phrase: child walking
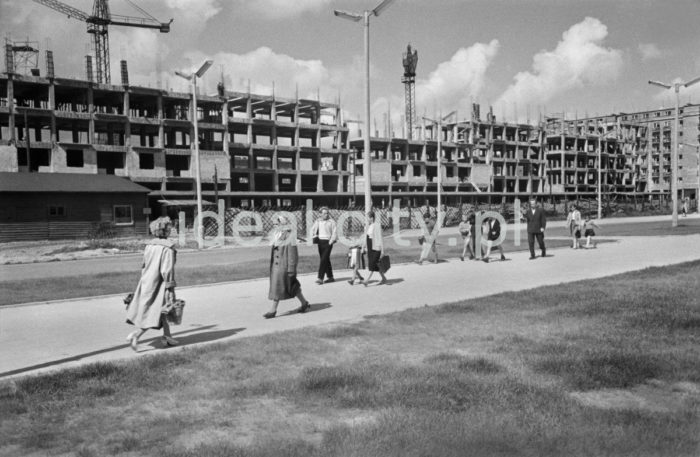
(588,232)
(465,229)
(356,260)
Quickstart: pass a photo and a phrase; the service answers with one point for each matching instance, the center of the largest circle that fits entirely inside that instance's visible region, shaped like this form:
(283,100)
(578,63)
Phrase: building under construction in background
(264,150)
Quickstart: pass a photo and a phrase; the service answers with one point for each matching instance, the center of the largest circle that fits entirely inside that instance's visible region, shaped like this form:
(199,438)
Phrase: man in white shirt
(325,232)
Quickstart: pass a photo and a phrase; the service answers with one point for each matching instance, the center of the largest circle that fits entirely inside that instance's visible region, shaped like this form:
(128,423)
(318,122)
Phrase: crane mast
(98,26)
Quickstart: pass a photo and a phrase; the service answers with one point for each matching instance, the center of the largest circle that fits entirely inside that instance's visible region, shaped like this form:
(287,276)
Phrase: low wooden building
(35,206)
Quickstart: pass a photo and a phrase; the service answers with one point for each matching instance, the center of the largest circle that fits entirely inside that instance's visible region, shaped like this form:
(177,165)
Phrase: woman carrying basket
(156,288)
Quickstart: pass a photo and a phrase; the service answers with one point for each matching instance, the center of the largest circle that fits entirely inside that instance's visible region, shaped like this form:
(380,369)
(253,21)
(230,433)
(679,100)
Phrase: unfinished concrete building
(263,150)
(581,154)
(655,160)
(259,150)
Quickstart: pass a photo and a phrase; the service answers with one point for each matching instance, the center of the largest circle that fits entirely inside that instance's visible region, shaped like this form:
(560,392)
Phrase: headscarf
(281,232)
(160,227)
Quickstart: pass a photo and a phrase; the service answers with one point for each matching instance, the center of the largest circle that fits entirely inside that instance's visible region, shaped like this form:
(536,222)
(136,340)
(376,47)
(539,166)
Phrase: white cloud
(262,67)
(284,9)
(579,60)
(649,51)
(455,82)
(195,10)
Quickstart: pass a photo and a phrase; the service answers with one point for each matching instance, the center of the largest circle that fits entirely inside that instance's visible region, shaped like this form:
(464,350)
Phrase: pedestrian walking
(374,247)
(588,227)
(492,230)
(465,229)
(536,223)
(429,246)
(685,207)
(573,221)
(325,234)
(472,235)
(356,259)
(155,288)
(284,257)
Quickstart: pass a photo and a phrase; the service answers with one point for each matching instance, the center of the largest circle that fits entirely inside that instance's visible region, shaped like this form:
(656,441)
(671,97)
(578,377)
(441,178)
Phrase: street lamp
(438,124)
(674,153)
(193,78)
(356,17)
(354,174)
(600,173)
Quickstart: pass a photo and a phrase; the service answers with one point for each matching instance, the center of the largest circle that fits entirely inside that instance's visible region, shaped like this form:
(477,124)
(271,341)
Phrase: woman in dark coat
(283,269)
(374,246)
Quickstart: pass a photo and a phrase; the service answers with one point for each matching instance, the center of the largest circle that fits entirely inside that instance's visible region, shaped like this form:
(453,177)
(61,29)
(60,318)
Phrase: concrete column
(127,124)
(91,122)
(52,107)
(251,181)
(224,120)
(161,126)
(11,106)
(276,183)
(319,175)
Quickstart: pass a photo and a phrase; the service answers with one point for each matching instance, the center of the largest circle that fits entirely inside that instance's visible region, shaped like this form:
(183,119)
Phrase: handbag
(384,264)
(314,240)
(173,311)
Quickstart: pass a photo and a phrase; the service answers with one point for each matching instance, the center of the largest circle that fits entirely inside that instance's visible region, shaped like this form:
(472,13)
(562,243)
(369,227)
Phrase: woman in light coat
(156,286)
(284,257)
(374,247)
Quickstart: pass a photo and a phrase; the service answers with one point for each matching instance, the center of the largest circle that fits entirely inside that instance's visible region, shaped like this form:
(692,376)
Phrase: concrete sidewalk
(41,337)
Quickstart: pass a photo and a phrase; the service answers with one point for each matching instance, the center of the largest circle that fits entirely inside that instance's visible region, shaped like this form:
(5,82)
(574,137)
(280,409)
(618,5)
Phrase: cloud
(263,67)
(579,60)
(195,10)
(284,9)
(454,83)
(649,51)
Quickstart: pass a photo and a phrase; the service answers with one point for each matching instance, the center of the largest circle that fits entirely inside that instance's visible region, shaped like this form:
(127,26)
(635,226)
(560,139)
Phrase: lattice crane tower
(97,26)
(410,60)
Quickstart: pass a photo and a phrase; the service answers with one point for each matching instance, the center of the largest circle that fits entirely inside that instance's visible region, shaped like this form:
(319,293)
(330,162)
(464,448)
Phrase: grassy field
(604,367)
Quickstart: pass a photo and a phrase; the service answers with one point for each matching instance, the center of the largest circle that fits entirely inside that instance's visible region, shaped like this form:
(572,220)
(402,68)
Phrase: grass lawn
(603,367)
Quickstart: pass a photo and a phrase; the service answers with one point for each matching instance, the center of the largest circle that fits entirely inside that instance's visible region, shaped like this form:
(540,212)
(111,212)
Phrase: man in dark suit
(536,223)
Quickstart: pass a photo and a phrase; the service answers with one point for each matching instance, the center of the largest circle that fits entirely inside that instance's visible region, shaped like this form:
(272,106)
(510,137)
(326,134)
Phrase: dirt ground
(53,251)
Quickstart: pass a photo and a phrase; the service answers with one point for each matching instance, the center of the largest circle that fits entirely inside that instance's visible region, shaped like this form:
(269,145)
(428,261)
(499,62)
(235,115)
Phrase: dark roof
(67,182)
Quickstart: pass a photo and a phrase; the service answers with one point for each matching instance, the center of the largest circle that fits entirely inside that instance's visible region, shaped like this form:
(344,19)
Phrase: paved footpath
(42,337)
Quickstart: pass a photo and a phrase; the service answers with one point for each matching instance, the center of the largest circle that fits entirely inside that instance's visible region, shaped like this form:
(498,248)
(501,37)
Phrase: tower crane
(97,25)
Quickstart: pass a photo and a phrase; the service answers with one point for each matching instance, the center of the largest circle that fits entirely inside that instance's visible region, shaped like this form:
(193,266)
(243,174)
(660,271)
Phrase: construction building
(267,151)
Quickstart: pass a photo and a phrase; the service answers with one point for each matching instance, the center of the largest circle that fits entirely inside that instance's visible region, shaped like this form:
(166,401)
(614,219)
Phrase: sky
(523,58)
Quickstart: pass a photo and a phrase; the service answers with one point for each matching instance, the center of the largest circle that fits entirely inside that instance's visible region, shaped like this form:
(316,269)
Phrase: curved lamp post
(356,17)
(438,124)
(193,78)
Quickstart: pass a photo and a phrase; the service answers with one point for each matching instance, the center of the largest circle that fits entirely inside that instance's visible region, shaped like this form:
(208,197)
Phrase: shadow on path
(200,337)
(78,357)
(389,282)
